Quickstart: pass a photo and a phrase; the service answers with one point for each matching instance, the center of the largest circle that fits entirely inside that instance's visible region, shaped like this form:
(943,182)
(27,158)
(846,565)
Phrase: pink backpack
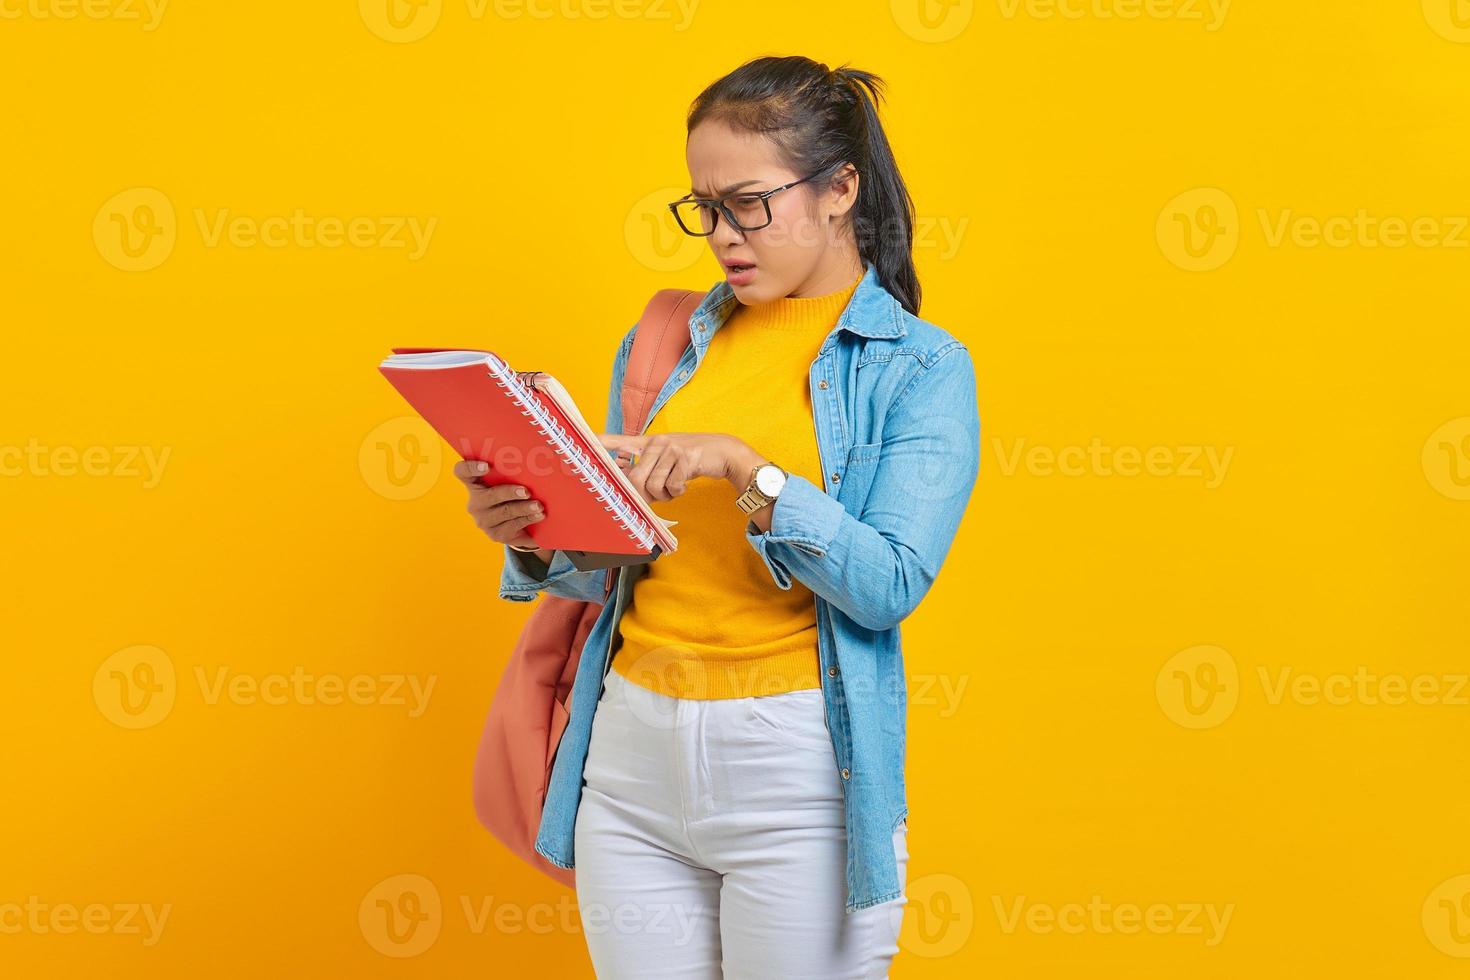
(529,710)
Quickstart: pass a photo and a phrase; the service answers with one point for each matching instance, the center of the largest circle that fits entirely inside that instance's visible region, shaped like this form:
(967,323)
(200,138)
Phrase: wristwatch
(766,481)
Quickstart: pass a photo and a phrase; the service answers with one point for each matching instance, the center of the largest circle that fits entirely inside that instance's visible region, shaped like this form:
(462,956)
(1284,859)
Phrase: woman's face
(800,242)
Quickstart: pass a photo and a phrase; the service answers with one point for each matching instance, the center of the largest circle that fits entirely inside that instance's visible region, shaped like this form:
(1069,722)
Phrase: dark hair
(822,118)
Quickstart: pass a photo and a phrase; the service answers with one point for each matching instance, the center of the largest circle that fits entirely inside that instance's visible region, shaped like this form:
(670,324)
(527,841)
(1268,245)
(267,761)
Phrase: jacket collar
(871,312)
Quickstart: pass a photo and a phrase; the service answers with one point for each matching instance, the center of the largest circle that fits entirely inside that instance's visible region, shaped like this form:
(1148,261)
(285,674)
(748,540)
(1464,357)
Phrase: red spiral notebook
(526,426)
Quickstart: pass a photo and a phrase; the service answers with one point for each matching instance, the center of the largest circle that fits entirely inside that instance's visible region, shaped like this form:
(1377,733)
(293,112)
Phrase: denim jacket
(898,434)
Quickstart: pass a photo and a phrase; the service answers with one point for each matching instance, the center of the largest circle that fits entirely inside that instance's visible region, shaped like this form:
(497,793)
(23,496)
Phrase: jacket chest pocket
(857,476)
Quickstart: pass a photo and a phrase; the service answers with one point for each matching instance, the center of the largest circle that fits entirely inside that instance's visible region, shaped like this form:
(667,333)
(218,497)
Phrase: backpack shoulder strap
(659,342)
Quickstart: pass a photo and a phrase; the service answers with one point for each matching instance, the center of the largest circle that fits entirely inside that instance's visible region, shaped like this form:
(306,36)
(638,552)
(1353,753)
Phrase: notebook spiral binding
(517,385)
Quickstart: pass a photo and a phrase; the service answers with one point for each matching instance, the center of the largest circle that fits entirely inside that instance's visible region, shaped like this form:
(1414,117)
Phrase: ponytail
(884,223)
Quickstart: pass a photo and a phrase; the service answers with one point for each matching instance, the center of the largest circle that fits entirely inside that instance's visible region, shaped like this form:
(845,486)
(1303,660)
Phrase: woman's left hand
(666,461)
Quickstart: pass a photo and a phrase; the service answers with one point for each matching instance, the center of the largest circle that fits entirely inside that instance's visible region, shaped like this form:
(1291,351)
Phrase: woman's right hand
(501,511)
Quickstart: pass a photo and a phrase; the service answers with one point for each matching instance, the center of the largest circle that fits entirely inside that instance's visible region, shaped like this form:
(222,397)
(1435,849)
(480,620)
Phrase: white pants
(710,842)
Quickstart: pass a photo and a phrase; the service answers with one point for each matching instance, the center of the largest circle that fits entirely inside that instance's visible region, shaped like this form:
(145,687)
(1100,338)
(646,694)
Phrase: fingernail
(481,467)
(522,492)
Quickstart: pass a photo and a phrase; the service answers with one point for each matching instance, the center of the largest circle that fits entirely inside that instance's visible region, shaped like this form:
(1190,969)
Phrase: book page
(558,393)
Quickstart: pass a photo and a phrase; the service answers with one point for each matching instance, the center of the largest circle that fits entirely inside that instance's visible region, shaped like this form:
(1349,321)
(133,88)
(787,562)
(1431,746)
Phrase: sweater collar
(871,312)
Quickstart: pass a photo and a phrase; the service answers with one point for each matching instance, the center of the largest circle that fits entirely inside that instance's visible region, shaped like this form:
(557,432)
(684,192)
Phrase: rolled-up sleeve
(804,517)
(523,575)
(876,567)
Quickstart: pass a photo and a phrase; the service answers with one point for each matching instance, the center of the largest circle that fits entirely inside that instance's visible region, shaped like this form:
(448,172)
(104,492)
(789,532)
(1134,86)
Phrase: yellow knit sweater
(708,621)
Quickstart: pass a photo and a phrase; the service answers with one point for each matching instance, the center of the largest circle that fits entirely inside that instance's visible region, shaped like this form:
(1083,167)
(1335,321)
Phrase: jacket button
(846,773)
(820,384)
(836,478)
(832,671)
(683,375)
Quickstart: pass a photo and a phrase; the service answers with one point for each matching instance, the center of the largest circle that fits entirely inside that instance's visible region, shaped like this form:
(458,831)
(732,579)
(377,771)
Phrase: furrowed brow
(728,190)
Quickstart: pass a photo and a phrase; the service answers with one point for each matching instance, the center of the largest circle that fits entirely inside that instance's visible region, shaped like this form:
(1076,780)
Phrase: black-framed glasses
(745,210)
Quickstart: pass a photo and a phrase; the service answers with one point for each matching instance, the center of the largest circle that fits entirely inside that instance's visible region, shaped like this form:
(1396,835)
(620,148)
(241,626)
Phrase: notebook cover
(481,420)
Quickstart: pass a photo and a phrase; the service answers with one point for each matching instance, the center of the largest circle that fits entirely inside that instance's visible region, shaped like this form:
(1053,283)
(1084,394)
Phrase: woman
(731,785)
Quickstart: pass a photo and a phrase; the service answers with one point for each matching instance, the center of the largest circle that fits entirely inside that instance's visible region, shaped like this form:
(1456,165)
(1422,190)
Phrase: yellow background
(1056,753)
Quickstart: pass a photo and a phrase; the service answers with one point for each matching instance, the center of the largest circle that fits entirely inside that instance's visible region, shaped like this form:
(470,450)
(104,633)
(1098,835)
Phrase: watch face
(769,479)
